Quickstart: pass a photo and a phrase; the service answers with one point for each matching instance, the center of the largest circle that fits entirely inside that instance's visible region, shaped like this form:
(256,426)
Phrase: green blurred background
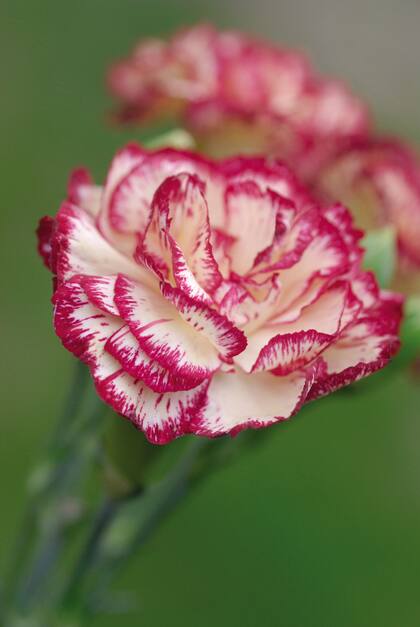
(319,528)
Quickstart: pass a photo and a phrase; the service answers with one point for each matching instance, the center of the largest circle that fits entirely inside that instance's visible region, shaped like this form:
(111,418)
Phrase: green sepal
(381,254)
(410,333)
(128,457)
(175,138)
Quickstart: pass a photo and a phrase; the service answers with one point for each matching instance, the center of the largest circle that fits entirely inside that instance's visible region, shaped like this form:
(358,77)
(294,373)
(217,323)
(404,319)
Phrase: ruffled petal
(82,328)
(100,292)
(163,334)
(44,234)
(82,192)
(363,348)
(379,179)
(123,163)
(287,352)
(92,335)
(313,250)
(220,331)
(180,235)
(267,174)
(236,401)
(124,347)
(162,417)
(79,248)
(251,222)
(312,242)
(290,345)
(129,198)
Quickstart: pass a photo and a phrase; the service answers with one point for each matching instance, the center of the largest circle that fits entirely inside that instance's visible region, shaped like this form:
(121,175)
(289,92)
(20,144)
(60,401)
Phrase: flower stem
(140,517)
(62,509)
(121,525)
(101,521)
(47,516)
(72,405)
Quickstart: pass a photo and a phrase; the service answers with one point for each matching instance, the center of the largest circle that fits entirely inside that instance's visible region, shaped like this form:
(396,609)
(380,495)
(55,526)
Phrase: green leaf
(175,138)
(381,254)
(410,332)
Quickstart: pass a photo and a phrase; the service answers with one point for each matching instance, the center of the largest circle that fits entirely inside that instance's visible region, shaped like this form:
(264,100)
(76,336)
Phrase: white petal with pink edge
(362,349)
(82,328)
(90,334)
(238,400)
(353,364)
(180,234)
(162,417)
(311,240)
(83,193)
(81,249)
(131,198)
(222,333)
(250,221)
(322,313)
(124,161)
(283,347)
(162,333)
(100,292)
(124,347)
(267,174)
(318,252)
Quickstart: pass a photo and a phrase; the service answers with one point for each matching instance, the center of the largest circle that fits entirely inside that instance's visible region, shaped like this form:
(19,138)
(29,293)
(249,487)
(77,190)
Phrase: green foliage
(410,332)
(174,138)
(381,254)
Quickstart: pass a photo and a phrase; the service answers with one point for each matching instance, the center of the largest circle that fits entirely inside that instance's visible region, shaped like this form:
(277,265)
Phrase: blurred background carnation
(320,526)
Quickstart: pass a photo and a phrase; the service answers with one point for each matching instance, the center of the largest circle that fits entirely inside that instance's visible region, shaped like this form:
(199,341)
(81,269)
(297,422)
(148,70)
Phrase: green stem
(25,536)
(101,521)
(44,560)
(139,518)
(121,525)
(150,509)
(21,550)
(54,526)
(72,405)
(45,524)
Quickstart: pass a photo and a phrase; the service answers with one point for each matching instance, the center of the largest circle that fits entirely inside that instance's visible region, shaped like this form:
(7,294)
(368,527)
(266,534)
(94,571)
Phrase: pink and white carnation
(379,180)
(210,297)
(236,94)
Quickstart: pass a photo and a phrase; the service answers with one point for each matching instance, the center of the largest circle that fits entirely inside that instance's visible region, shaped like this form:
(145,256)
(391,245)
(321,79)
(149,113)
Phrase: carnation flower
(379,180)
(236,94)
(209,297)
(239,95)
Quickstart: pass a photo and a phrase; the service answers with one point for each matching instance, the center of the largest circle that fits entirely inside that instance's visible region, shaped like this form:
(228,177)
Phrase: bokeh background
(318,528)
